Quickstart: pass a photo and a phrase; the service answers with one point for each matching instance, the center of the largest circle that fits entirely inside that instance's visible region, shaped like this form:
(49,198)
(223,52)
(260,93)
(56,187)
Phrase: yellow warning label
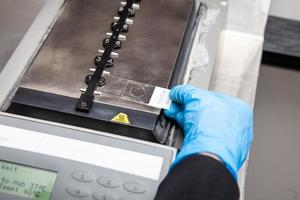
(121,118)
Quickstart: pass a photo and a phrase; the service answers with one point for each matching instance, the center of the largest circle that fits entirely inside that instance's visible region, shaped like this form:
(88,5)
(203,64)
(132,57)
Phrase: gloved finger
(173,110)
(182,94)
(180,119)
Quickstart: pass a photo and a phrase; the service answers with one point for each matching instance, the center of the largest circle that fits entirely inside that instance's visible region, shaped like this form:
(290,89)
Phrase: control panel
(42,161)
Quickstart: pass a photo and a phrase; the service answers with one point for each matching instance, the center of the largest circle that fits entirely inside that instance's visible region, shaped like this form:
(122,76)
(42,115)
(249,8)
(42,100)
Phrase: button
(82,176)
(104,196)
(78,191)
(108,182)
(135,188)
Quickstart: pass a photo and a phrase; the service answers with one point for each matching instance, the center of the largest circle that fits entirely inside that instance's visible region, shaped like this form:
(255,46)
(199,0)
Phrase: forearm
(199,177)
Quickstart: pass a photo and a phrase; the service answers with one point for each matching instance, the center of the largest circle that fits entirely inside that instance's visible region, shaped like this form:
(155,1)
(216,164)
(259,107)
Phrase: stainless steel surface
(148,55)
(14,23)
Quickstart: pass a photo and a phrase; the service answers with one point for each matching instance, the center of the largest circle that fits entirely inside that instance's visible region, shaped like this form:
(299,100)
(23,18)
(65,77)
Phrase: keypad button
(77,191)
(101,195)
(134,187)
(108,182)
(83,176)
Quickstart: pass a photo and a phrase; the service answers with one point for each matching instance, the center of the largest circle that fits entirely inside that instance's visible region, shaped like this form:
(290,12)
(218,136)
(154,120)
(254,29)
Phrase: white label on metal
(160,98)
(122,160)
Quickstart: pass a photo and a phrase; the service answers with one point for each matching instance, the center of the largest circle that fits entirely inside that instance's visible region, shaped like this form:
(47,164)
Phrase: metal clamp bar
(85,102)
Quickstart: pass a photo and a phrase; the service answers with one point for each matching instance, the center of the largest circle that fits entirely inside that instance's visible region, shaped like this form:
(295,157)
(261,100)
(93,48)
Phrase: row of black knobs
(118,44)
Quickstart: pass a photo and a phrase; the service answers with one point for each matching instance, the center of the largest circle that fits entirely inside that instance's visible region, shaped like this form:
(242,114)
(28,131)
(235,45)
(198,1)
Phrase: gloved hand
(212,123)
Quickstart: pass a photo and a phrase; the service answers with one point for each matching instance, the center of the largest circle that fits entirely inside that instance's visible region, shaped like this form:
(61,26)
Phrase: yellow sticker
(121,118)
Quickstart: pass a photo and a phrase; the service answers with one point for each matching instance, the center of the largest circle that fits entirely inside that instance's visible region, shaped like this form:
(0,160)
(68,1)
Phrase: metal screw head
(83,104)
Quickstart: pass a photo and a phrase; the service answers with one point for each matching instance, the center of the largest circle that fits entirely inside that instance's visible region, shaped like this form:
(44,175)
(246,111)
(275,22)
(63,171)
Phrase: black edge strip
(279,60)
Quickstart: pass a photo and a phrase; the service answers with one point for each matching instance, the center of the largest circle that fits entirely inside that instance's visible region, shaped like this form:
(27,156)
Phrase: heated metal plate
(152,52)
(148,55)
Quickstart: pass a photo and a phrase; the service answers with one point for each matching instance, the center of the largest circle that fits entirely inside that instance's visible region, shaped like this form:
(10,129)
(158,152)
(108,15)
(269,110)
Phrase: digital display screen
(27,182)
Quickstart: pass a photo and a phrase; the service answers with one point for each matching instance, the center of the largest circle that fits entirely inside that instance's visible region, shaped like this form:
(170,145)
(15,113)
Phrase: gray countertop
(14,25)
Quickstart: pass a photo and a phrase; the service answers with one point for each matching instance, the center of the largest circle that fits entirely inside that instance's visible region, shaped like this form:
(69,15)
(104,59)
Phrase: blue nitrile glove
(212,123)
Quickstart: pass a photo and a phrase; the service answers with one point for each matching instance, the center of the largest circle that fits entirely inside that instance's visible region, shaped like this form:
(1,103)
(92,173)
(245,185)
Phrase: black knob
(98,60)
(106,42)
(131,11)
(120,10)
(109,63)
(124,29)
(100,83)
(117,45)
(88,79)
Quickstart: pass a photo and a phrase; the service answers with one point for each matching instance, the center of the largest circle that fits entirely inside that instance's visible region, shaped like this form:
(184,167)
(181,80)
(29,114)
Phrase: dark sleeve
(198,178)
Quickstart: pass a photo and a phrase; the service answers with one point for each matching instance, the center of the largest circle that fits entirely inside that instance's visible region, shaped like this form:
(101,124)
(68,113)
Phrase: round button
(80,192)
(108,182)
(83,176)
(134,187)
(101,195)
